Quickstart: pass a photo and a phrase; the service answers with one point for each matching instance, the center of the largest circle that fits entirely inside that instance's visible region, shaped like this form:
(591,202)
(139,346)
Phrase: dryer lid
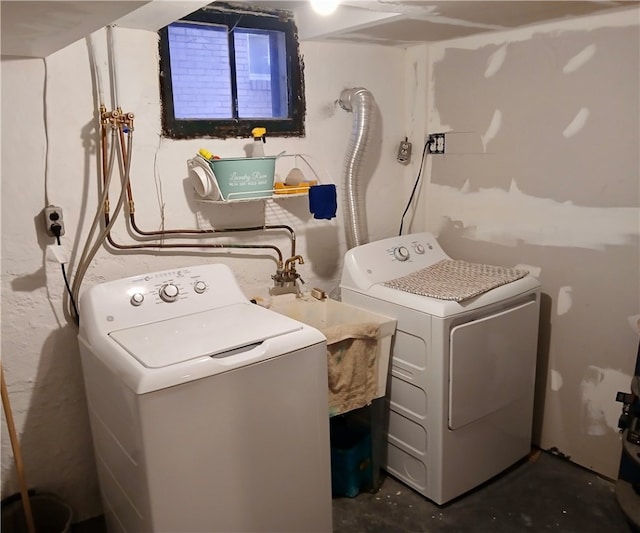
(208,333)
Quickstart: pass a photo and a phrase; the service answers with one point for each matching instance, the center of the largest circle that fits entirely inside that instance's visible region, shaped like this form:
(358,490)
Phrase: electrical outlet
(435,143)
(52,216)
(404,151)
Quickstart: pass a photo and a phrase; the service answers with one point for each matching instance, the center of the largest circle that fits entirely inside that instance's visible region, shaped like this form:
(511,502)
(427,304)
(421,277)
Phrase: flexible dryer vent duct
(361,102)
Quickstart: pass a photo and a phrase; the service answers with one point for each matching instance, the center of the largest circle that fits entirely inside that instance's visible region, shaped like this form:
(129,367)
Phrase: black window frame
(245,18)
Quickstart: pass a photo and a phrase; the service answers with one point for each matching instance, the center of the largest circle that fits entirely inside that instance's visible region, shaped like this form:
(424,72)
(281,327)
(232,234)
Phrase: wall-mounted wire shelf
(273,194)
(279,192)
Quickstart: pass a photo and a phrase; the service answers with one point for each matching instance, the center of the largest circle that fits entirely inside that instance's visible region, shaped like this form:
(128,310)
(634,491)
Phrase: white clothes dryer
(461,384)
(208,413)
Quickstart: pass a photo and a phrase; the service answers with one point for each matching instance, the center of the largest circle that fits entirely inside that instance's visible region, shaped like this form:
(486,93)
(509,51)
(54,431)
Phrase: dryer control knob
(169,292)
(200,287)
(418,248)
(137,299)
(401,253)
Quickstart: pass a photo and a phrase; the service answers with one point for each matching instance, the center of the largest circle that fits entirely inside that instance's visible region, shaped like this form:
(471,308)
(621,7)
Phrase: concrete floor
(537,495)
(541,494)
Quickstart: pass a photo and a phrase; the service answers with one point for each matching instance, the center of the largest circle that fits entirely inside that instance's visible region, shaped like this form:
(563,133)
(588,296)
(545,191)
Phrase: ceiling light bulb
(324,7)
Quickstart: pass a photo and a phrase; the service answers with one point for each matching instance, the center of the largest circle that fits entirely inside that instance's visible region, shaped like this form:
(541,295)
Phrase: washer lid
(208,333)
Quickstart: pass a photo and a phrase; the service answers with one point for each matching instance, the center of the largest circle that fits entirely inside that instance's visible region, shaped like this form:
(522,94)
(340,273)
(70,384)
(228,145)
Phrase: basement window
(227,69)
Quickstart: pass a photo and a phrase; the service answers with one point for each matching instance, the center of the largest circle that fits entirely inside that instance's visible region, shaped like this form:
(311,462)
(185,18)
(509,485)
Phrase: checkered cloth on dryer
(456,280)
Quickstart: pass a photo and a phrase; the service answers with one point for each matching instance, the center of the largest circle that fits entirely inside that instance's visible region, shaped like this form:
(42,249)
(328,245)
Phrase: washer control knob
(401,253)
(137,299)
(200,287)
(418,248)
(169,292)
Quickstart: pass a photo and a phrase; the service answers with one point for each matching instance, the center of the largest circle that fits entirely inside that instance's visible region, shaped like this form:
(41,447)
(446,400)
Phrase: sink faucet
(290,264)
(286,278)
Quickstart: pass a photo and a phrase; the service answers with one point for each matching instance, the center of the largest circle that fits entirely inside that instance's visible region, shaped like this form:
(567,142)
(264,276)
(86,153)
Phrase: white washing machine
(208,413)
(461,381)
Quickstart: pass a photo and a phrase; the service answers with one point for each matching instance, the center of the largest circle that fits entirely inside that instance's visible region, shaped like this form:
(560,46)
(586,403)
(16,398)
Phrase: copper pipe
(198,232)
(186,245)
(193,232)
(180,232)
(103,142)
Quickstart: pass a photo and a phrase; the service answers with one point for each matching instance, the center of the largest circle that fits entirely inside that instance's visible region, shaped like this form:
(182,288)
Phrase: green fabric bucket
(244,178)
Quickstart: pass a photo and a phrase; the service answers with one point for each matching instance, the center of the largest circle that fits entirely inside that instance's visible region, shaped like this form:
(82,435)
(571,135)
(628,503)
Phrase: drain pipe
(361,102)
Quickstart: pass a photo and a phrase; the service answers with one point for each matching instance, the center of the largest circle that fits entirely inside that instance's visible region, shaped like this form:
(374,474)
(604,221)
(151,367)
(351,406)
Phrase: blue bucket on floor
(351,468)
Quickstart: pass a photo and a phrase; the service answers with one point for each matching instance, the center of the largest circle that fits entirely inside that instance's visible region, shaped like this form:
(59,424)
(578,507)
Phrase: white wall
(542,168)
(581,228)
(39,349)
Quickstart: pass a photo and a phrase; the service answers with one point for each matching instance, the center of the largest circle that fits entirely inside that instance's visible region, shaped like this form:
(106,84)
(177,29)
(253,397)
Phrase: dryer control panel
(417,251)
(391,258)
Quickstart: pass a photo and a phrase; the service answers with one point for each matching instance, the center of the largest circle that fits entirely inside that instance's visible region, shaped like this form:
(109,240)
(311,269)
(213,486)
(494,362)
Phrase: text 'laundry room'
(325,265)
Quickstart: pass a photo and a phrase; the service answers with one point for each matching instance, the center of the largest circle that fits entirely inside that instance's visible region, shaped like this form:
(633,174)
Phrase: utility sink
(325,313)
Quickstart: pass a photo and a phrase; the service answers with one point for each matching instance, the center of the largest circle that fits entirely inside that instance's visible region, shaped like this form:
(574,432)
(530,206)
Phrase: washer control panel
(161,295)
(166,287)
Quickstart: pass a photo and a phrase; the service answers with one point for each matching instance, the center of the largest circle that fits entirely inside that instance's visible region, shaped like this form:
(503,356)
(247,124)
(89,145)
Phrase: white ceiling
(407,22)
(39,28)
(36,29)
